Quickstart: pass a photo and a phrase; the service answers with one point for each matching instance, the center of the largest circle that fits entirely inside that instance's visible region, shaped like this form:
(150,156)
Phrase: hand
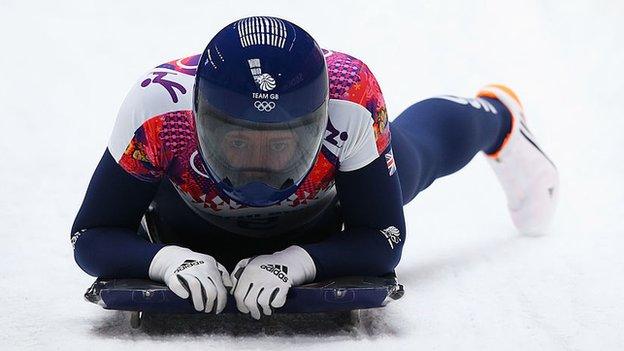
(263,282)
(188,273)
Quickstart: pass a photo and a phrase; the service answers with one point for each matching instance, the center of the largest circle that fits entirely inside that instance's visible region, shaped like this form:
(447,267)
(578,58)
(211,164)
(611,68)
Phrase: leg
(439,136)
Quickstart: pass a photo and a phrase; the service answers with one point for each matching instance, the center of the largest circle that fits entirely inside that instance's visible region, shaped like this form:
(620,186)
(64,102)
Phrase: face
(257,153)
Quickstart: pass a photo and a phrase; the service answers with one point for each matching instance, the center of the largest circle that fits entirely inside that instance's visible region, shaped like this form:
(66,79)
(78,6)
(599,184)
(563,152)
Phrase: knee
(441,125)
(445,121)
(438,109)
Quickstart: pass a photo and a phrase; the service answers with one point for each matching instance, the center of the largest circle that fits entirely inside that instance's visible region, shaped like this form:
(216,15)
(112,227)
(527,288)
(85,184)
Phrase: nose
(258,157)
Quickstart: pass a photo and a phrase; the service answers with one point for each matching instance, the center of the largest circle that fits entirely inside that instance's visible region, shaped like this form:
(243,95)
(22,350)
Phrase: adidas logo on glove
(187,264)
(279,270)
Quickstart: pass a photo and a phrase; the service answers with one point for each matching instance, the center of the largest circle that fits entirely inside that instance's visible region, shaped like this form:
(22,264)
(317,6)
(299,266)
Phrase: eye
(238,143)
(278,146)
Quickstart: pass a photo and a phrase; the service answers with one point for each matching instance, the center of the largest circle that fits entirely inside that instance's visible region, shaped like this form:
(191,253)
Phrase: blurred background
(471,281)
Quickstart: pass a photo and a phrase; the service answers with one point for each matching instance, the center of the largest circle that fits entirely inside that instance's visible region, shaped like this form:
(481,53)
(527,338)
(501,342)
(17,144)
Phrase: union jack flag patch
(390,162)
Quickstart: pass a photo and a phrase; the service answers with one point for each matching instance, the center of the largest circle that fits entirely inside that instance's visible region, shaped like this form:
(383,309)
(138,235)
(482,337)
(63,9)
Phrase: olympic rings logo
(264,106)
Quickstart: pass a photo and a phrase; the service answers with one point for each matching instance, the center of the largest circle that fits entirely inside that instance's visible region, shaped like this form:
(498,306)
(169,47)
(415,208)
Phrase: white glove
(190,273)
(263,281)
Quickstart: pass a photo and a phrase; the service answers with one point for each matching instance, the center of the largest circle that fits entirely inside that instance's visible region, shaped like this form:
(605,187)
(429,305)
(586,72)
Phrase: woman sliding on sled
(273,159)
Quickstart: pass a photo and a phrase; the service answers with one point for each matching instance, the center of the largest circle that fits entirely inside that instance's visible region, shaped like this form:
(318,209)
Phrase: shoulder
(350,79)
(159,92)
(356,106)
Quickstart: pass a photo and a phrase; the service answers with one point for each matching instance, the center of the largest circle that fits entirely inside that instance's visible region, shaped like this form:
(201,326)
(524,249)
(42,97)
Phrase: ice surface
(471,281)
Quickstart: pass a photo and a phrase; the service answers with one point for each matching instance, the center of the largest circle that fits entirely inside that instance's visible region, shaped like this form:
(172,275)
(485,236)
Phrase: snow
(471,281)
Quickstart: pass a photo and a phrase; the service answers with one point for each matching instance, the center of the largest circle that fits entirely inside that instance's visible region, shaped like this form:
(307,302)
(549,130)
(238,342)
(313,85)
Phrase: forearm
(113,252)
(357,251)
(372,209)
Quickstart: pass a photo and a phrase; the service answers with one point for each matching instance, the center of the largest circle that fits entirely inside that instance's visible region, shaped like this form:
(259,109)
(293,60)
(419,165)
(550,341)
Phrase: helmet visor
(278,154)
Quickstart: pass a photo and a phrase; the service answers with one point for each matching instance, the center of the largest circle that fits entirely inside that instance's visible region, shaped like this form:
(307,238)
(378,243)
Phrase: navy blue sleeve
(372,204)
(104,233)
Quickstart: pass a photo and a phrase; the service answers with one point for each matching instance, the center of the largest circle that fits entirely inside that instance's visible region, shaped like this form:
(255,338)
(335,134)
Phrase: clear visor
(239,152)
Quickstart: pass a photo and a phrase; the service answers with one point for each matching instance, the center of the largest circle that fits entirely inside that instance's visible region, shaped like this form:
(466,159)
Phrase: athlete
(272,159)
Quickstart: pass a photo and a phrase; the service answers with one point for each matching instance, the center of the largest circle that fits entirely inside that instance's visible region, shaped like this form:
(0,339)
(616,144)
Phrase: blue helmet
(260,106)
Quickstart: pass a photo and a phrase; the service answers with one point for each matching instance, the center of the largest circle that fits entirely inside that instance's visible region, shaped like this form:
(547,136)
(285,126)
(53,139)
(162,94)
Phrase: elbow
(85,256)
(81,253)
(382,256)
(82,256)
(385,263)
(85,265)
